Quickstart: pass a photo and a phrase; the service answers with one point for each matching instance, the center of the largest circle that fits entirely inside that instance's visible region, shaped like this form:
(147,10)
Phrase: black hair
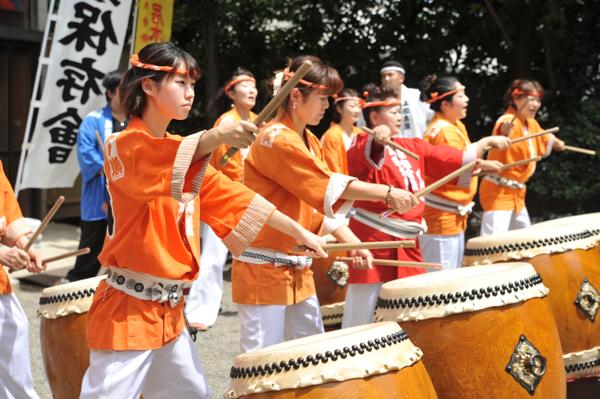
(111,81)
(374,93)
(392,63)
(432,84)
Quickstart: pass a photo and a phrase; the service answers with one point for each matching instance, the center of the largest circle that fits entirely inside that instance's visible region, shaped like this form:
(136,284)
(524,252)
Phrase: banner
(154,20)
(87,41)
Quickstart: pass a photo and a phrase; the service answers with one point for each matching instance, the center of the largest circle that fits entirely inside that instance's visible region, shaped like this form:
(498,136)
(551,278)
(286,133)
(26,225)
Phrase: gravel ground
(217,347)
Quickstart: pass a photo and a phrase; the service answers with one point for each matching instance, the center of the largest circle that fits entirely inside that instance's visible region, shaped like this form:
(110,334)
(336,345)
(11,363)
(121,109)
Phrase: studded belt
(262,256)
(503,181)
(145,286)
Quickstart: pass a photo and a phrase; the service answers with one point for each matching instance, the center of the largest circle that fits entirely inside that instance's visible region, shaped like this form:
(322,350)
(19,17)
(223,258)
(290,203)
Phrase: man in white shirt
(416,114)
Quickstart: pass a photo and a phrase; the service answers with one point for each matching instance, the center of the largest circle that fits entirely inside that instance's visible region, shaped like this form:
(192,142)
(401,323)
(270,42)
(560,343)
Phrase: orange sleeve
(543,143)
(445,136)
(234,212)
(144,168)
(282,157)
(234,169)
(334,151)
(14,225)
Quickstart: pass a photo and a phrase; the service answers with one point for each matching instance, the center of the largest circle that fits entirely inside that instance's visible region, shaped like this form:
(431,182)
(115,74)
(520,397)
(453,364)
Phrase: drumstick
(272,105)
(344,246)
(82,251)
(45,222)
(398,263)
(392,144)
(580,150)
(100,142)
(532,136)
(437,184)
(513,164)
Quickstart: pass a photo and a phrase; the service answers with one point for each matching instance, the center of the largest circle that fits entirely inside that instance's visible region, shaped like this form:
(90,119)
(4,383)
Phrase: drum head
(433,295)
(335,356)
(66,299)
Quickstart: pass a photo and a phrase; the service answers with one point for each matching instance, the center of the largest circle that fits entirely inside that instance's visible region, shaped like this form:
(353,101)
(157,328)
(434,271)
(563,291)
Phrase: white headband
(393,69)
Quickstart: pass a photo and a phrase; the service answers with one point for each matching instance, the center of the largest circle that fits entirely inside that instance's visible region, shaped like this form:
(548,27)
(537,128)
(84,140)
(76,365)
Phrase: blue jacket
(91,162)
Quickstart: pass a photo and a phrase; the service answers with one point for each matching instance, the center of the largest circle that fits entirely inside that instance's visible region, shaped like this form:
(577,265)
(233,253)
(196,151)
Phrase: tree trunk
(210,44)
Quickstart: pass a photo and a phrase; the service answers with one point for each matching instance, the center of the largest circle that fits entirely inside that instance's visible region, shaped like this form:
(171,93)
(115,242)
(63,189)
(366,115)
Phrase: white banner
(86,44)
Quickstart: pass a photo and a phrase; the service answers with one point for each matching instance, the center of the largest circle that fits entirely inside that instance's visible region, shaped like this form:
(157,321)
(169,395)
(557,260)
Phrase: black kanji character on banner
(64,133)
(81,76)
(83,32)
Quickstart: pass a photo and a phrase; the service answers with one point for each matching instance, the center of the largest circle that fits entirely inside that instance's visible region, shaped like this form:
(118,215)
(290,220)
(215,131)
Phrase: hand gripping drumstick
(272,105)
(82,251)
(397,263)
(392,144)
(45,222)
(513,164)
(580,150)
(437,184)
(361,245)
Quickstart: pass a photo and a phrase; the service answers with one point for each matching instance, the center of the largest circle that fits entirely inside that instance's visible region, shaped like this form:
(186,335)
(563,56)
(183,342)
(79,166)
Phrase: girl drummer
(372,161)
(155,181)
(274,288)
(447,208)
(502,195)
(233,103)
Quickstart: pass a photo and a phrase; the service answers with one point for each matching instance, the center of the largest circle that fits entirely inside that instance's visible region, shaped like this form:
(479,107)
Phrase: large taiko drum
(65,349)
(567,256)
(331,277)
(486,332)
(370,361)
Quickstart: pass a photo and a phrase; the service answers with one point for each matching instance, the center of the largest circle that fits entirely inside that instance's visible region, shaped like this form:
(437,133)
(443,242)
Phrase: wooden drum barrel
(331,278)
(371,361)
(567,256)
(63,337)
(486,332)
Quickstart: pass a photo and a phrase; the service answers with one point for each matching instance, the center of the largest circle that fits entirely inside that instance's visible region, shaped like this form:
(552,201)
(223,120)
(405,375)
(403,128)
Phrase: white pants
(445,249)
(204,300)
(361,300)
(15,368)
(493,222)
(173,371)
(264,325)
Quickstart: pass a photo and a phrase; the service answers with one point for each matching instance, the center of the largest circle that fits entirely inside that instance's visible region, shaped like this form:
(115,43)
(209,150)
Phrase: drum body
(65,350)
(486,332)
(371,361)
(565,253)
(331,279)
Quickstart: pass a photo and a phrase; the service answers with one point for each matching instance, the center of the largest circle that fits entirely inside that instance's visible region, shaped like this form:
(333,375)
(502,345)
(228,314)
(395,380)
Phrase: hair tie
(243,78)
(287,75)
(435,96)
(135,62)
(337,99)
(390,103)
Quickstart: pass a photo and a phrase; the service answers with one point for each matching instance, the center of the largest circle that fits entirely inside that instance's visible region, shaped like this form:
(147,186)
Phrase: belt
(503,181)
(259,256)
(395,227)
(433,201)
(145,286)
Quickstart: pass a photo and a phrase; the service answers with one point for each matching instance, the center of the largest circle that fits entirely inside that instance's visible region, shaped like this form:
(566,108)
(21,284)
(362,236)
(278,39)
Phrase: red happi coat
(401,171)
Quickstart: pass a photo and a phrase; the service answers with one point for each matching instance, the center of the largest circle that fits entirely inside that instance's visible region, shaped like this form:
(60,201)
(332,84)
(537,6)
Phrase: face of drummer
(456,108)
(389,116)
(172,97)
(527,106)
(310,108)
(244,94)
(392,78)
(349,111)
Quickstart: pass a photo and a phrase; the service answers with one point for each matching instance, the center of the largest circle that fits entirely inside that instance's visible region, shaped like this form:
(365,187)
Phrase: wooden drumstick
(82,251)
(580,150)
(437,184)
(100,142)
(272,105)
(392,144)
(344,246)
(513,164)
(532,136)
(397,263)
(45,222)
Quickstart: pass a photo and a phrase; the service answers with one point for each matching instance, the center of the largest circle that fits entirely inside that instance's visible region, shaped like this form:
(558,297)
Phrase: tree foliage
(485,44)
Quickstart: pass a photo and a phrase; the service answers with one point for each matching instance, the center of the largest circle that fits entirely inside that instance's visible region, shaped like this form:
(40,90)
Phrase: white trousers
(173,371)
(361,300)
(493,222)
(204,300)
(15,368)
(445,249)
(264,325)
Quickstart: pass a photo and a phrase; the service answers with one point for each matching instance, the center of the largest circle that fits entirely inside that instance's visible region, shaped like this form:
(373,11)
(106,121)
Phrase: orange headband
(519,92)
(390,103)
(436,97)
(238,80)
(287,75)
(337,99)
(135,61)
